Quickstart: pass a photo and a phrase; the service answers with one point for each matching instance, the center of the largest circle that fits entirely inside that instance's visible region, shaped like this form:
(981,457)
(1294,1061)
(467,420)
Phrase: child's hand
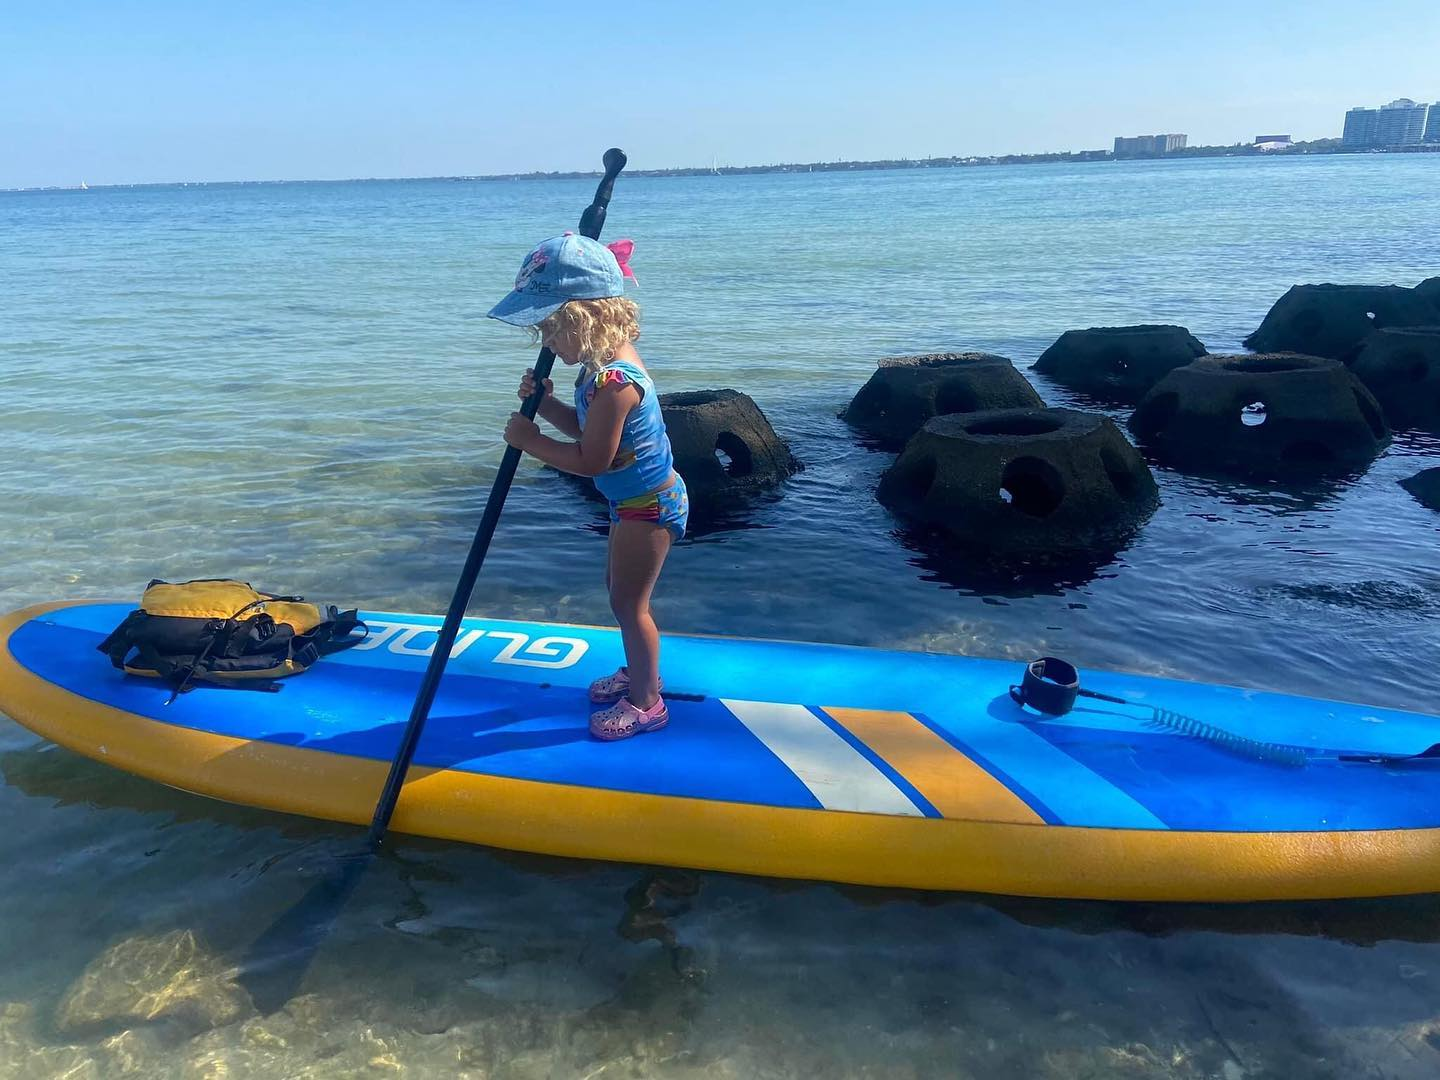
(527,386)
(521,431)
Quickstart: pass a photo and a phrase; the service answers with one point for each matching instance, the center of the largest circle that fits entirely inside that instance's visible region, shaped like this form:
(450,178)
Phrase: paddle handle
(591,222)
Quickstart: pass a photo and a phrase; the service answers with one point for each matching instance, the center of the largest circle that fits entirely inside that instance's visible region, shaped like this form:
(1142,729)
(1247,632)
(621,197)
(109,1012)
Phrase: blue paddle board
(781,758)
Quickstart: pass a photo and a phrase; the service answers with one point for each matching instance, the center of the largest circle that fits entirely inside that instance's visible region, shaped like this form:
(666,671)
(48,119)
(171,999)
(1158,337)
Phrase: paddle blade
(276,962)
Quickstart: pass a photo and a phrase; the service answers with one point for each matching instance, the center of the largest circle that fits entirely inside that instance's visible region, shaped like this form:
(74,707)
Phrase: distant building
(1401,123)
(1432,126)
(1147,145)
(1360,127)
(1272,142)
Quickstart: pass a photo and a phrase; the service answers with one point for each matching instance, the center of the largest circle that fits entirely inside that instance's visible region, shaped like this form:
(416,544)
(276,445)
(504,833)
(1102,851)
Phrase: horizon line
(838,164)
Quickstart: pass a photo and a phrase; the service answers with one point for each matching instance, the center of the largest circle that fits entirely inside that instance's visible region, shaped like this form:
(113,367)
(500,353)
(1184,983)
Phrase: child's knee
(628,609)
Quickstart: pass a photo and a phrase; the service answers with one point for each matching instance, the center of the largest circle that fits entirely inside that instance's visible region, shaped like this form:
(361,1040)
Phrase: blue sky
(128,92)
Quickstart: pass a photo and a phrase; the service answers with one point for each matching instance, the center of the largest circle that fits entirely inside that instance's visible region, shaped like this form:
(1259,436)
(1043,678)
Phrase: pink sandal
(612,688)
(623,720)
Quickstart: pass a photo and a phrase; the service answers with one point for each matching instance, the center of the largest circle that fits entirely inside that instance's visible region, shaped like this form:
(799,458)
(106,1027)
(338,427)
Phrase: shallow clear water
(294,384)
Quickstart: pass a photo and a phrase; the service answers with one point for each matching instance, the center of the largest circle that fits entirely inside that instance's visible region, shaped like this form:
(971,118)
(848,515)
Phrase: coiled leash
(1051,685)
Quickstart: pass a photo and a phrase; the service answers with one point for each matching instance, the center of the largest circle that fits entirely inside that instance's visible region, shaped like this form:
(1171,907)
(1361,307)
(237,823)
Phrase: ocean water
(295,384)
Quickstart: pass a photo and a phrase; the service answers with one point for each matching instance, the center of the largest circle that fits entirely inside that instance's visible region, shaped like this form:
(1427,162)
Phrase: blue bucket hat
(563,268)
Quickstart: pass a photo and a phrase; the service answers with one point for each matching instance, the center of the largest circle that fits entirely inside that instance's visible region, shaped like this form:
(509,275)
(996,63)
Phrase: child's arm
(595,451)
(562,416)
(559,414)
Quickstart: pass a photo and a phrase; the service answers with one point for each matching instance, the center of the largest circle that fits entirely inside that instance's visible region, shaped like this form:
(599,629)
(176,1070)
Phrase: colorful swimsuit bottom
(670,507)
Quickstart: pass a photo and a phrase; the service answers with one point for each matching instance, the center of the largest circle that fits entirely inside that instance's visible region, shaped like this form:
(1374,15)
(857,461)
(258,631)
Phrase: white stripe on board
(835,772)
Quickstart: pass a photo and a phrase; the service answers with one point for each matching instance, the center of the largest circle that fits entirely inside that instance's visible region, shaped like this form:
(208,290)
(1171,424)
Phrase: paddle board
(781,758)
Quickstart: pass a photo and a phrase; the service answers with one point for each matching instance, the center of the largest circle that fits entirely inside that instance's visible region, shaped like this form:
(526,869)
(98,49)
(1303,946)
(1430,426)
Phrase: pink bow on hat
(622,250)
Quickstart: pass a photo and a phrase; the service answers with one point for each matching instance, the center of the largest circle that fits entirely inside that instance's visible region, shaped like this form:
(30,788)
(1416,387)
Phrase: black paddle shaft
(591,222)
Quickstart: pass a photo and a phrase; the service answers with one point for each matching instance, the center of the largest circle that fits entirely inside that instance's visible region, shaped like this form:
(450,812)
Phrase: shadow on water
(1280,496)
(978,572)
(1364,921)
(664,893)
(67,779)
(276,963)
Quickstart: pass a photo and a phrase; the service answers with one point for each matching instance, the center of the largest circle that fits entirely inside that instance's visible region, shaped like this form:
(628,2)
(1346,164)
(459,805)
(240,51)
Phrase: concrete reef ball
(723,444)
(1425,486)
(1332,320)
(1401,367)
(1034,483)
(1267,415)
(906,391)
(1118,362)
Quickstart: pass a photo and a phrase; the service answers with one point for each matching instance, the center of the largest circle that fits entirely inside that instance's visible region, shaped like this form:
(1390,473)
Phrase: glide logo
(518,649)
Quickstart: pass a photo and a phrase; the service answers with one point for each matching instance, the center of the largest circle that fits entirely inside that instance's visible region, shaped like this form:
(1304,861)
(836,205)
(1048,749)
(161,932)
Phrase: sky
(144,92)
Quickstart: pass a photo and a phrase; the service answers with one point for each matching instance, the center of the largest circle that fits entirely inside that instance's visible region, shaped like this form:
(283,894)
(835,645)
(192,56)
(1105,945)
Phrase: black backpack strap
(337,631)
(118,645)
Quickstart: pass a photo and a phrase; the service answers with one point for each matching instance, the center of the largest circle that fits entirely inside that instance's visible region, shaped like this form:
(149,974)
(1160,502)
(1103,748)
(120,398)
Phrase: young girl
(570,293)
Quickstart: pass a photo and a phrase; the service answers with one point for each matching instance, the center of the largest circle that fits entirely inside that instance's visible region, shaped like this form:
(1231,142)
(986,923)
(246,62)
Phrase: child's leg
(637,552)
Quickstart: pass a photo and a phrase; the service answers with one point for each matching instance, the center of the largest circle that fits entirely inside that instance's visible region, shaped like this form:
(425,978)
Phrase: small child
(570,293)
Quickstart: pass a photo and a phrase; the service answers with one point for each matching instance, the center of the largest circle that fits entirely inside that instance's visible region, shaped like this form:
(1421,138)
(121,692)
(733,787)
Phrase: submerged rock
(25,1053)
(1036,483)
(1425,486)
(1401,367)
(1118,362)
(906,391)
(1269,415)
(1333,320)
(723,444)
(145,979)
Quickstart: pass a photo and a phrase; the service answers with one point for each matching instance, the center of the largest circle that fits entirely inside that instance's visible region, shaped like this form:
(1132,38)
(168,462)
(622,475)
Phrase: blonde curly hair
(600,327)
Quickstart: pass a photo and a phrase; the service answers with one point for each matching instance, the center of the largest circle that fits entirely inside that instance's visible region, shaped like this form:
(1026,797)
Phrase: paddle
(278,959)
(591,223)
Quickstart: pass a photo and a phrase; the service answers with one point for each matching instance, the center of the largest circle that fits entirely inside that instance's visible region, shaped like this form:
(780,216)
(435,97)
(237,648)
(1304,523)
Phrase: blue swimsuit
(641,483)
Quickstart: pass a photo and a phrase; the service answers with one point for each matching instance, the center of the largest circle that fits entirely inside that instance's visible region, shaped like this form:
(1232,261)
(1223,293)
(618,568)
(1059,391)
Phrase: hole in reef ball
(1032,486)
(1254,414)
(1015,425)
(954,397)
(1265,364)
(733,454)
(1413,363)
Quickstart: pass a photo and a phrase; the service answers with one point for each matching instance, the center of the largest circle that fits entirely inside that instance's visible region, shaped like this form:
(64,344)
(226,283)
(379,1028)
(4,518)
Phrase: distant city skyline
(164,91)
(1148,145)
(1403,122)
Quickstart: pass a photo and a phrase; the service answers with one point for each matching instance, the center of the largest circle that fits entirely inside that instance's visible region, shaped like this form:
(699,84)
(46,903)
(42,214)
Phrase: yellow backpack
(223,631)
